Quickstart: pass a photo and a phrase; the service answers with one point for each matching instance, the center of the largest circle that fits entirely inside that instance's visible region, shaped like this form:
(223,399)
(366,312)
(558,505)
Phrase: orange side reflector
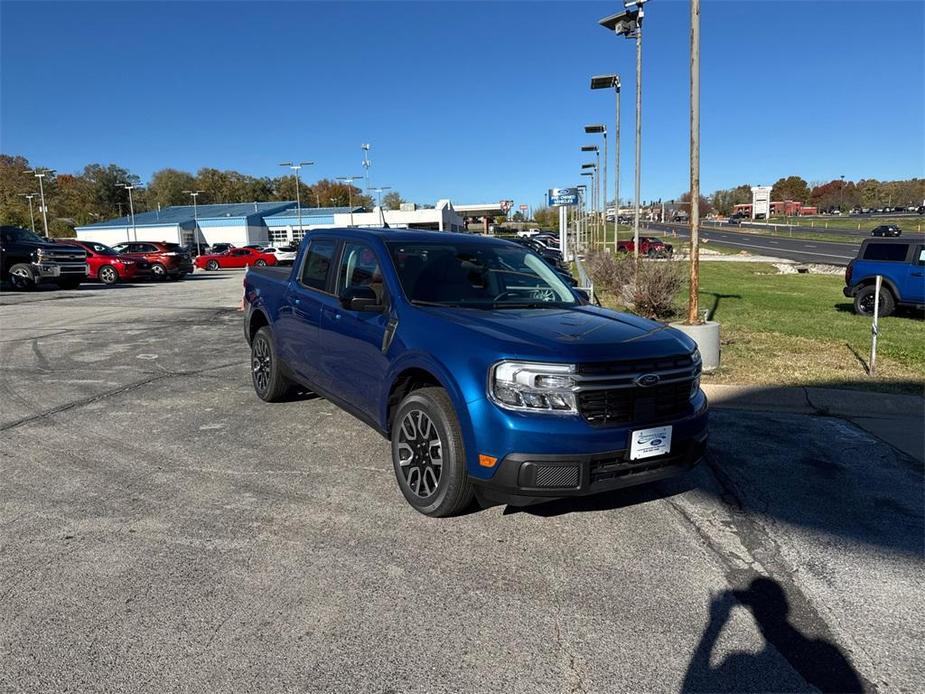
(487,461)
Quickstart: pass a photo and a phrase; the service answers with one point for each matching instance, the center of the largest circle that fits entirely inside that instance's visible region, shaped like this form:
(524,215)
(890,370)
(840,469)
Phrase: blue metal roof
(291,211)
(183,214)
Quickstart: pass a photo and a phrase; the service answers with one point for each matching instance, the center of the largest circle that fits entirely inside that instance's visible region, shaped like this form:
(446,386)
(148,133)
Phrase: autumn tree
(790,188)
(724,201)
(169,186)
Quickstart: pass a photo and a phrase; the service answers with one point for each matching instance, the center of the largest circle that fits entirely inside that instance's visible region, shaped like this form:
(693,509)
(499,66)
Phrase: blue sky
(469,100)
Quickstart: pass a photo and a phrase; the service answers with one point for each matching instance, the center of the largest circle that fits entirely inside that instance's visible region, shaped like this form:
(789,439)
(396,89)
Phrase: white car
(283,255)
(526,233)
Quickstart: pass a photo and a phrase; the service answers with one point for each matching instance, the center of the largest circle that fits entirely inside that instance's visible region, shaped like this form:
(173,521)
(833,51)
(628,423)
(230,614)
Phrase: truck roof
(405,234)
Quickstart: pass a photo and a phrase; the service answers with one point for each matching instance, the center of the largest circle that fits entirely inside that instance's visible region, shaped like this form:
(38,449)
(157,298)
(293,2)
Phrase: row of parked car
(28,259)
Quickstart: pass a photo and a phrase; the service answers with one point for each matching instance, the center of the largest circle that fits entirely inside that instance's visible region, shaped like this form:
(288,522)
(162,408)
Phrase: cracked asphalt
(161,529)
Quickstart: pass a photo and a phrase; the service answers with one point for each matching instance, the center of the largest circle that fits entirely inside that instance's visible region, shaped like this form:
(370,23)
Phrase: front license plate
(647,443)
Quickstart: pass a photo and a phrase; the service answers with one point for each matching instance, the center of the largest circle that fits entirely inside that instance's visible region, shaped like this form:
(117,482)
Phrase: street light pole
(40,174)
(298,185)
(693,305)
(378,192)
(131,207)
(29,196)
(349,181)
(366,163)
(195,194)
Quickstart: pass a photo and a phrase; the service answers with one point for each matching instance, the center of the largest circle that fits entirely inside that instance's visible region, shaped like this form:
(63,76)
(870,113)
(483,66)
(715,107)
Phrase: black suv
(886,230)
(27,259)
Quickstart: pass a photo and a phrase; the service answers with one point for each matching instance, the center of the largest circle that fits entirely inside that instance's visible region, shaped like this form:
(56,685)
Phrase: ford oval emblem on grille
(647,380)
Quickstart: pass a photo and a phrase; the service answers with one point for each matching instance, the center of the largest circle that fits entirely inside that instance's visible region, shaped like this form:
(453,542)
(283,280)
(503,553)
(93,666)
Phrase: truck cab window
(318,259)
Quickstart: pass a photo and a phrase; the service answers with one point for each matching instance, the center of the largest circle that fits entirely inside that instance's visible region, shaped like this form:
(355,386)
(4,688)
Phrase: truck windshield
(477,275)
(14,234)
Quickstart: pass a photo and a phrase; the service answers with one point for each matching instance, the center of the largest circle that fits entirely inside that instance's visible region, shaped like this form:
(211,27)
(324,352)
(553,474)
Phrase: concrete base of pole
(706,335)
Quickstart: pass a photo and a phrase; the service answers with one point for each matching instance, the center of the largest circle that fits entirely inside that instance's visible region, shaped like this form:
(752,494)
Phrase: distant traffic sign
(561,197)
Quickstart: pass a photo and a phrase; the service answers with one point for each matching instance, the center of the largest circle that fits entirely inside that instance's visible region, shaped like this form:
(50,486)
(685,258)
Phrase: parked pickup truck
(27,259)
(488,374)
(901,263)
(648,246)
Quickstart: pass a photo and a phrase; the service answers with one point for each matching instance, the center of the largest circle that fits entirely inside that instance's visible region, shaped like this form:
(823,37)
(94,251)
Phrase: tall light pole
(378,192)
(298,195)
(693,306)
(602,129)
(613,82)
(590,240)
(595,193)
(366,163)
(592,168)
(629,24)
(582,189)
(195,194)
(29,196)
(349,181)
(41,174)
(131,207)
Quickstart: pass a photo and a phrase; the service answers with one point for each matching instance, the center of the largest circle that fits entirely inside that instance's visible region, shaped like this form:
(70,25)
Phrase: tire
(158,272)
(864,301)
(107,274)
(261,263)
(69,284)
(22,278)
(212,265)
(269,382)
(426,422)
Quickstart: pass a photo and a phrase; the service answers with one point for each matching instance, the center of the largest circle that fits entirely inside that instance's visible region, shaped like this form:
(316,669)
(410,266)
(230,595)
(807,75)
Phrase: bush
(650,293)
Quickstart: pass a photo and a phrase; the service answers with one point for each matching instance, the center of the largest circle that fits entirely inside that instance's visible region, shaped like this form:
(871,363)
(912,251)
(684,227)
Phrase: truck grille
(614,393)
(63,256)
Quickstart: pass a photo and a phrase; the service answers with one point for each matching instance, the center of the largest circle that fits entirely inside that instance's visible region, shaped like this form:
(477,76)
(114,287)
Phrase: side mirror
(361,299)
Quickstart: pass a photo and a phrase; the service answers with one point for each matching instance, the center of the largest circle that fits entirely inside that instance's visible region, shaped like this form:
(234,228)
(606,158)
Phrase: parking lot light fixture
(298,196)
(349,181)
(195,194)
(613,82)
(629,25)
(366,162)
(600,128)
(131,207)
(29,197)
(378,192)
(41,174)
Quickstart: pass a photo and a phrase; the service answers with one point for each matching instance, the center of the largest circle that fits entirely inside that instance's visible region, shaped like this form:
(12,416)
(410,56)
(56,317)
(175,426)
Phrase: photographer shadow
(821,664)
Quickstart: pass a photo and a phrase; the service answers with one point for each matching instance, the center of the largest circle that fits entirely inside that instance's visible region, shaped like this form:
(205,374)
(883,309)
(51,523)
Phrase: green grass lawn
(907,224)
(800,329)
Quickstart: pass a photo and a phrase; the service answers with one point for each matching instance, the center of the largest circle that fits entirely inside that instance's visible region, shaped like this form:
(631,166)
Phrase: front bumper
(593,458)
(58,270)
(524,478)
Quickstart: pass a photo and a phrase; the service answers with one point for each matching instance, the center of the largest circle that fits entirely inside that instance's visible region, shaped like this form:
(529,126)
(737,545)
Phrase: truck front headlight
(533,387)
(698,365)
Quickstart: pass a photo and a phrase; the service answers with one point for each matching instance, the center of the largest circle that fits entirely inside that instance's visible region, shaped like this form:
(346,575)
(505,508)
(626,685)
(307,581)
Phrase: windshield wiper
(441,304)
(528,304)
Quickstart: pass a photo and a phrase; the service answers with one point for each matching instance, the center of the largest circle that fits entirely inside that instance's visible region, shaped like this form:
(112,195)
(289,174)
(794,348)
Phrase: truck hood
(579,332)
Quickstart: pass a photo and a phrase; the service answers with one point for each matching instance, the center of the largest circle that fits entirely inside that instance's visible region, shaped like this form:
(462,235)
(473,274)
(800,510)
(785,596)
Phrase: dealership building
(275,223)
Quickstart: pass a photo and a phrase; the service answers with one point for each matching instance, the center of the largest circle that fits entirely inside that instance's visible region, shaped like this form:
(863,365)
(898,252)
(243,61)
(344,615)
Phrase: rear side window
(359,267)
(886,251)
(318,260)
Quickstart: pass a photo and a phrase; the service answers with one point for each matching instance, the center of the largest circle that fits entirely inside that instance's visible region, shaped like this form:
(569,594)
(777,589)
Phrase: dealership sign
(560,197)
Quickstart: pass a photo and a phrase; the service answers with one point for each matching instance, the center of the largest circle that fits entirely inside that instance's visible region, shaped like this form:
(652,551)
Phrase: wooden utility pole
(693,302)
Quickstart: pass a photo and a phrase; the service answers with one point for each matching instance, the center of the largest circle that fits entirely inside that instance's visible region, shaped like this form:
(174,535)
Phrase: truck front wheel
(269,382)
(864,301)
(428,454)
(22,278)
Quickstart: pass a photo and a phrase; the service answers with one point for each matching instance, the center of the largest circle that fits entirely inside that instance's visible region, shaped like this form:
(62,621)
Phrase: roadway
(801,250)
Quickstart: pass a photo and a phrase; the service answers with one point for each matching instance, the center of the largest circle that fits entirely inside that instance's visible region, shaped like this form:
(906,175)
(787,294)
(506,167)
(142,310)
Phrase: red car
(165,260)
(649,246)
(106,265)
(235,257)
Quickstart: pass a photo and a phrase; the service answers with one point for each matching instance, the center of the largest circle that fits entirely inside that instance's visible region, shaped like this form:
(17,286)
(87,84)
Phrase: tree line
(96,193)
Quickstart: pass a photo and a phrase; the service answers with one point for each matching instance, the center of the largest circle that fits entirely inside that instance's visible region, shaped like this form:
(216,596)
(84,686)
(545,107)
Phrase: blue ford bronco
(901,264)
(491,377)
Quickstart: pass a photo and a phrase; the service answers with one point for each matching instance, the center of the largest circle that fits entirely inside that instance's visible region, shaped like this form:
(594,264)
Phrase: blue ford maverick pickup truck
(490,376)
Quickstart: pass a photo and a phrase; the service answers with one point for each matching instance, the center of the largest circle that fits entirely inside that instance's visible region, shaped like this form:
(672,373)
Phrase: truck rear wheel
(864,301)
(428,454)
(269,382)
(22,278)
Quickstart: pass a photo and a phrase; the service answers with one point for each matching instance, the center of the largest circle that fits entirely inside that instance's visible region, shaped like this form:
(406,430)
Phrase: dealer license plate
(647,443)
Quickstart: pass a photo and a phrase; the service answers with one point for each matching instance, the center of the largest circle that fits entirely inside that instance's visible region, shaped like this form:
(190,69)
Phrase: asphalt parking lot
(161,529)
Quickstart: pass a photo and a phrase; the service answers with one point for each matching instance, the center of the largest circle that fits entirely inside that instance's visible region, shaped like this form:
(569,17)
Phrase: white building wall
(113,235)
